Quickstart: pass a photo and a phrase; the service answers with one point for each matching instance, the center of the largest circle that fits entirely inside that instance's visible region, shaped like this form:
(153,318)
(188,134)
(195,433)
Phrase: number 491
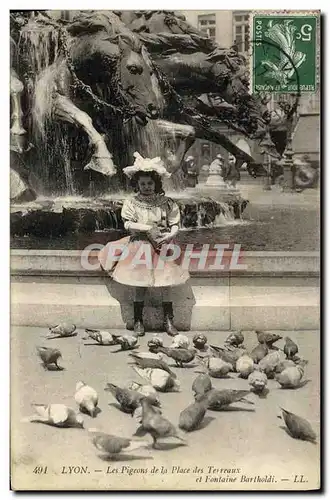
(40,470)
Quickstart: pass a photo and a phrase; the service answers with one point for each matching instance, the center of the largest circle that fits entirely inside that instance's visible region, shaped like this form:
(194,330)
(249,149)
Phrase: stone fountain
(72,133)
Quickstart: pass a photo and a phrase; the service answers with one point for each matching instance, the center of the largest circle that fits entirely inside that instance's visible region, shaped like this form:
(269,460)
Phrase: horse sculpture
(94,75)
(103,78)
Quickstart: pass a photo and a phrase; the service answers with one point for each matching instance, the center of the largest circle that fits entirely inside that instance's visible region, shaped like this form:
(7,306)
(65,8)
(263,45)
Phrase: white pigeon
(218,368)
(126,342)
(258,381)
(87,398)
(159,379)
(290,378)
(58,415)
(63,330)
(102,337)
(244,365)
(146,390)
(181,341)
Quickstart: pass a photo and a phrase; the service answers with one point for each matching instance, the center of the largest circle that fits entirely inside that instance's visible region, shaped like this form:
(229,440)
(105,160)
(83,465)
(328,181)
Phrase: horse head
(113,62)
(139,81)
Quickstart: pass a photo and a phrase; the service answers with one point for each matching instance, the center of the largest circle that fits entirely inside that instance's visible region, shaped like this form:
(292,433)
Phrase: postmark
(284,58)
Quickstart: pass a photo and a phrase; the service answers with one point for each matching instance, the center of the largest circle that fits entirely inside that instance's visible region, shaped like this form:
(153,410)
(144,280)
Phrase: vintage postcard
(165,206)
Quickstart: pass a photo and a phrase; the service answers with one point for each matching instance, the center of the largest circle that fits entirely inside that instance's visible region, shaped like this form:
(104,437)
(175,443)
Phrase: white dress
(141,264)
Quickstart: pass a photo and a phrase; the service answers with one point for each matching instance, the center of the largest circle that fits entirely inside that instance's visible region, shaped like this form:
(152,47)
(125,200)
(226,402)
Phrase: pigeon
(299,360)
(126,342)
(244,366)
(102,337)
(269,363)
(57,415)
(181,356)
(298,427)
(219,399)
(216,367)
(290,378)
(259,352)
(282,365)
(201,384)
(155,341)
(147,391)
(152,363)
(161,380)
(180,341)
(149,355)
(63,330)
(258,381)
(192,416)
(156,425)
(49,356)
(112,445)
(129,399)
(267,338)
(290,348)
(229,354)
(200,341)
(235,339)
(86,398)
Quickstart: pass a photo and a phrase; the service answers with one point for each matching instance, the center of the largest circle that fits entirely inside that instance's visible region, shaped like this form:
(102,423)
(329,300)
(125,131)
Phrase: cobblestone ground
(248,439)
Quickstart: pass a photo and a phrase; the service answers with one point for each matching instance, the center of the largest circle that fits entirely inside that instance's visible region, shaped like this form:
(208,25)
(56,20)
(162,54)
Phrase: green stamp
(284,53)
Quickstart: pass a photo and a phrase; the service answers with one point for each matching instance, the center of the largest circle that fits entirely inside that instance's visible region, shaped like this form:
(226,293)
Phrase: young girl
(152,220)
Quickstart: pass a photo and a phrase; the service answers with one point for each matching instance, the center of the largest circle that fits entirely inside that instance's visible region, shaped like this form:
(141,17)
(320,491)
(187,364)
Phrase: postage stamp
(284,53)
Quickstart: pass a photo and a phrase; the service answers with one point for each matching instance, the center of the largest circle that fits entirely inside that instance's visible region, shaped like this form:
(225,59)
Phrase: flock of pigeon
(141,400)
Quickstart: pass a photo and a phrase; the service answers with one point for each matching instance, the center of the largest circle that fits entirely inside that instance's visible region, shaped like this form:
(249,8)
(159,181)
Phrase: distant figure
(204,172)
(191,171)
(233,174)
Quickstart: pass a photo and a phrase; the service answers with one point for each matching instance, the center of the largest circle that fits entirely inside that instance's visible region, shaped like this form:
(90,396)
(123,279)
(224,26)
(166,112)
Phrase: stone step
(202,304)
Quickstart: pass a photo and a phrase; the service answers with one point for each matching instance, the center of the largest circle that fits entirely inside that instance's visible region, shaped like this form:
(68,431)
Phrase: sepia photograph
(165,177)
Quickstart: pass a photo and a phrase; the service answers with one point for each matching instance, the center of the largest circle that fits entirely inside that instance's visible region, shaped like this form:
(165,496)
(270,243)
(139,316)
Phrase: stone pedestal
(215,177)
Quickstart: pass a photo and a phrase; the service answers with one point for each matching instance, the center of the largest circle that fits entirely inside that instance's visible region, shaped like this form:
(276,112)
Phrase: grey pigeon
(228,353)
(152,363)
(192,416)
(49,356)
(63,330)
(181,356)
(299,428)
(290,348)
(129,399)
(112,445)
(259,352)
(219,399)
(235,339)
(201,384)
(267,338)
(156,425)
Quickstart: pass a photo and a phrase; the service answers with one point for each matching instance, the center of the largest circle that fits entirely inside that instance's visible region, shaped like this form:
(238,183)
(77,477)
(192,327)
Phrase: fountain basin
(63,217)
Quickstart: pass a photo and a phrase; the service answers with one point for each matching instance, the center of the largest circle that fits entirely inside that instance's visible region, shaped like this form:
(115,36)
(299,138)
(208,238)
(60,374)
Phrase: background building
(226,27)
(232,27)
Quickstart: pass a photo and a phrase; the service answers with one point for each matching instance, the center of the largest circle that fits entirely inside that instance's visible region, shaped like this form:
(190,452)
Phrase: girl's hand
(164,238)
(154,234)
